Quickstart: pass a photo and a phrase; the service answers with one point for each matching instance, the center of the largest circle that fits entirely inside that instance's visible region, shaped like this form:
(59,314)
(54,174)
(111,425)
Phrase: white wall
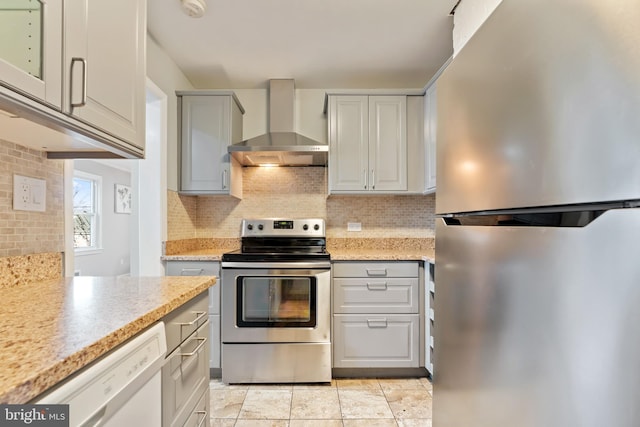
(114,257)
(164,73)
(469,16)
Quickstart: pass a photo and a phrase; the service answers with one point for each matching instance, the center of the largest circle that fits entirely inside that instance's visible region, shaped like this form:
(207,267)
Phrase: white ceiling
(322,44)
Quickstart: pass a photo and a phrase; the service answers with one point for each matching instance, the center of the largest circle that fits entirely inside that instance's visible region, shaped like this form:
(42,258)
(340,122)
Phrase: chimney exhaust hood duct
(281,146)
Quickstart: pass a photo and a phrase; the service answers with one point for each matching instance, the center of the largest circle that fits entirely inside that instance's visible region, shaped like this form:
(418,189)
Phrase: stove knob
(316,227)
(249,226)
(305,227)
(260,226)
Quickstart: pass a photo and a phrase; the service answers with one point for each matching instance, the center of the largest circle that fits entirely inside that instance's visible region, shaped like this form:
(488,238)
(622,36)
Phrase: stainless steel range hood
(281,146)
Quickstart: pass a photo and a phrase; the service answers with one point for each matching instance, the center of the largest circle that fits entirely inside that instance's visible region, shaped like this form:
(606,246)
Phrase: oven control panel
(282,227)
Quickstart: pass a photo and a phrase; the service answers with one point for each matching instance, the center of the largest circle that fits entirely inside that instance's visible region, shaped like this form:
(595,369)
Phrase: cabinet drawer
(182,322)
(199,268)
(376,341)
(193,268)
(373,295)
(184,377)
(199,415)
(375,269)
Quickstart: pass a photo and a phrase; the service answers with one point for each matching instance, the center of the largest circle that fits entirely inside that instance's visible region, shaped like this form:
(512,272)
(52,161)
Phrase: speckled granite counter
(51,329)
(341,249)
(198,249)
(390,249)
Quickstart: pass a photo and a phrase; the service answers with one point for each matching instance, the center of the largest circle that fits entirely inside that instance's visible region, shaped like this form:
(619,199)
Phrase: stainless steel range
(276,315)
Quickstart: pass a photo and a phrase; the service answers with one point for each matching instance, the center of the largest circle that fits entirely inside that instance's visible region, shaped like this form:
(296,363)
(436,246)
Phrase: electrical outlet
(29,194)
(354,226)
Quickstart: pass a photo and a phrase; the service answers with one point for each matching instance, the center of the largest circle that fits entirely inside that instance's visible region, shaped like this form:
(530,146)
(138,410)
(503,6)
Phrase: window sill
(82,252)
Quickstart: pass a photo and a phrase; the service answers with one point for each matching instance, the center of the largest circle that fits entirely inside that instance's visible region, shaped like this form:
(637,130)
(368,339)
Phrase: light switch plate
(29,194)
(354,226)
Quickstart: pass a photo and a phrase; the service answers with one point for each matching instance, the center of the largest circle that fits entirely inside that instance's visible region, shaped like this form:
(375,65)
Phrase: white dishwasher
(122,388)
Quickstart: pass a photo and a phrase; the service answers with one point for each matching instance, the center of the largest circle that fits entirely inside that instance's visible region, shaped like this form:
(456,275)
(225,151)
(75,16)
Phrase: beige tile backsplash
(298,193)
(24,232)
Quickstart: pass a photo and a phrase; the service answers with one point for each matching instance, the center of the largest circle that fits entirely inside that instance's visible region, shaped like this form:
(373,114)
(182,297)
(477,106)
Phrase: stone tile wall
(24,232)
(297,193)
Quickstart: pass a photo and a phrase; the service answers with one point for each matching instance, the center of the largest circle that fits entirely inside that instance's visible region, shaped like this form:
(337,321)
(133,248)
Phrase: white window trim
(98,248)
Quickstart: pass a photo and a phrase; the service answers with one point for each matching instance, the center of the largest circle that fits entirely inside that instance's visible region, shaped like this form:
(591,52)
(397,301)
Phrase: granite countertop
(198,255)
(341,249)
(370,254)
(51,329)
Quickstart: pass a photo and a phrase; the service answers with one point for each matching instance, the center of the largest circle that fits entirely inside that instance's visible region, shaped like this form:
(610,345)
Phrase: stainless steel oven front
(276,322)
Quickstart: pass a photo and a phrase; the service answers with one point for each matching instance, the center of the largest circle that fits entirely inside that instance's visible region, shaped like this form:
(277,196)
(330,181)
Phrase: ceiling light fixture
(194,8)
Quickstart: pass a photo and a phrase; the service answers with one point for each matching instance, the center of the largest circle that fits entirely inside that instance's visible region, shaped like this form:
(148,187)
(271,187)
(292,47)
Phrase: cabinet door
(388,143)
(205,137)
(348,143)
(31,49)
(105,66)
(376,341)
(430,123)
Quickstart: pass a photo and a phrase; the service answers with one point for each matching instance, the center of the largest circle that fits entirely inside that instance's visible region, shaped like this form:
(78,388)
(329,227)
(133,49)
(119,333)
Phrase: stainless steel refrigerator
(537,299)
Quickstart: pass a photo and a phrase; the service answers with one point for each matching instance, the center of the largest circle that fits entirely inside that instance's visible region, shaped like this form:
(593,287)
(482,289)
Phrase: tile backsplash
(25,232)
(297,193)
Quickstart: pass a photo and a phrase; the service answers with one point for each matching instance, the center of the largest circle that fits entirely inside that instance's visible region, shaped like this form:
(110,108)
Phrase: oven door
(265,305)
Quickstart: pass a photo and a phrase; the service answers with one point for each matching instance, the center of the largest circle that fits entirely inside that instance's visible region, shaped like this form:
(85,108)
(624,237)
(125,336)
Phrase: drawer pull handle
(204,417)
(381,286)
(197,349)
(199,316)
(192,272)
(377,271)
(377,323)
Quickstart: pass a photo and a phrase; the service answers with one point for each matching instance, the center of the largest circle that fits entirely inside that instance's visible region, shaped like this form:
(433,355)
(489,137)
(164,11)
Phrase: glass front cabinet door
(30,49)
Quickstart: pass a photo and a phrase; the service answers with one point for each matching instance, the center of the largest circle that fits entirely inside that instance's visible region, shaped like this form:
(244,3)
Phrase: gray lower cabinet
(376,314)
(185,373)
(204,268)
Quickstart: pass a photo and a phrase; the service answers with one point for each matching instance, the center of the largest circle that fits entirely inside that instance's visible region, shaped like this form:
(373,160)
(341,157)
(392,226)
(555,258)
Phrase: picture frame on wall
(122,199)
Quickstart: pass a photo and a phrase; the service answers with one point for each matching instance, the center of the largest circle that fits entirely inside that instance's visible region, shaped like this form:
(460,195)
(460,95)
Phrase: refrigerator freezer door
(541,107)
(538,326)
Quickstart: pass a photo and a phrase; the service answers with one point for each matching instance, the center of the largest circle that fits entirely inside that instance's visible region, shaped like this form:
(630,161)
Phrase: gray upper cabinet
(430,123)
(367,143)
(209,122)
(376,143)
(77,80)
(30,49)
(106,66)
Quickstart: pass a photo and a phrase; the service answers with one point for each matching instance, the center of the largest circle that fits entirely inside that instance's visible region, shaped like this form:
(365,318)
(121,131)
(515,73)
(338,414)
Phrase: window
(86,211)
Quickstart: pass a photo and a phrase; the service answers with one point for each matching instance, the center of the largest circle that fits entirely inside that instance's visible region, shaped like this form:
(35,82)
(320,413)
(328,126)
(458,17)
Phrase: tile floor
(344,403)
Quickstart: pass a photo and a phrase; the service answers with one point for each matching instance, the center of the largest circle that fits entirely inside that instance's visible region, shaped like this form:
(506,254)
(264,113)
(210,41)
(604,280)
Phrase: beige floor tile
(217,384)
(426,382)
(315,404)
(407,404)
(363,404)
(262,423)
(400,384)
(378,422)
(315,423)
(222,422)
(358,384)
(315,386)
(226,403)
(266,405)
(288,387)
(415,423)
